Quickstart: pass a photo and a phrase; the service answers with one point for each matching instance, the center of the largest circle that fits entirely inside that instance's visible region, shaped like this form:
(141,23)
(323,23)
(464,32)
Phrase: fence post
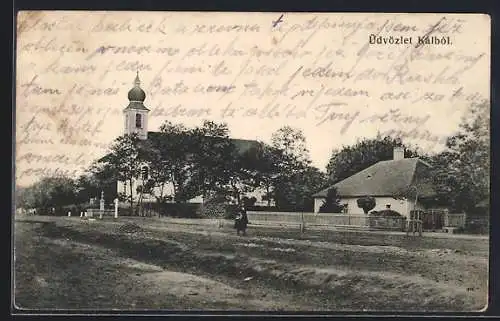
(446,218)
(302,223)
(420,222)
(116,208)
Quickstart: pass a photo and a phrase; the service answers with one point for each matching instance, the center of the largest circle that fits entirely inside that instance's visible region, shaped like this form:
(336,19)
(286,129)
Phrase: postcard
(251,161)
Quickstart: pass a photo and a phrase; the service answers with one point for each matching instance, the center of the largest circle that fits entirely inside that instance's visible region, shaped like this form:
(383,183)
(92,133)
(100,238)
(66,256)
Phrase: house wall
(402,206)
(258,193)
(318,201)
(123,187)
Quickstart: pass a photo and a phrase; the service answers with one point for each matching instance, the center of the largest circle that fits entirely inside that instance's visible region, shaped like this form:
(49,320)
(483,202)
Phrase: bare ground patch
(61,273)
(323,274)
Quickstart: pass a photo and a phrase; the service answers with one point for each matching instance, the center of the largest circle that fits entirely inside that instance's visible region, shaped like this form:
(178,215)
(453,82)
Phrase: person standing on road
(241,221)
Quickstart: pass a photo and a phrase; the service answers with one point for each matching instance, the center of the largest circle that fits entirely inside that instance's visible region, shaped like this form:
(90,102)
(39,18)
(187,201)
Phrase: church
(136,121)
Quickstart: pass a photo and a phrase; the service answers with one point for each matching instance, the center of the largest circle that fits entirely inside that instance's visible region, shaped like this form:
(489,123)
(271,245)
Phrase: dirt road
(73,264)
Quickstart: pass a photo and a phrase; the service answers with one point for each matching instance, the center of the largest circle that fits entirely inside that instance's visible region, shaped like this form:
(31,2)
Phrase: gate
(433,219)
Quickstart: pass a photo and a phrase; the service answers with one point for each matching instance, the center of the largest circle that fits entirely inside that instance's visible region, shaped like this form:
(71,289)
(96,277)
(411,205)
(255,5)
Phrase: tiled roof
(241,145)
(385,178)
(136,105)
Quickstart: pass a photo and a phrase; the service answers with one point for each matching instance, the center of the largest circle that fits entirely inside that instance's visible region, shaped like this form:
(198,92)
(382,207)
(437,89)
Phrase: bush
(385,213)
(474,227)
(262,208)
(183,210)
(248,201)
(366,203)
(125,211)
(331,203)
(75,210)
(387,219)
(230,212)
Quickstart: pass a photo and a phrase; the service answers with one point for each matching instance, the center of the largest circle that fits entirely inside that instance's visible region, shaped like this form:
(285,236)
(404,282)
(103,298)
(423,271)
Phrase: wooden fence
(455,219)
(325,219)
(95,212)
(348,220)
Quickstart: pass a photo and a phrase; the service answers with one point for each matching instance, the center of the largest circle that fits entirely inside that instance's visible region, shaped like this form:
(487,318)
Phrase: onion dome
(136,93)
(136,96)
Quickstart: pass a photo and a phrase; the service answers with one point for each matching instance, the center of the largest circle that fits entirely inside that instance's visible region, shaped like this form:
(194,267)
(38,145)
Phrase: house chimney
(398,153)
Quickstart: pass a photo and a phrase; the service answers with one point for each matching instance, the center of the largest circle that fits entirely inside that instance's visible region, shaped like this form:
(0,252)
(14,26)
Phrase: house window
(345,208)
(138,120)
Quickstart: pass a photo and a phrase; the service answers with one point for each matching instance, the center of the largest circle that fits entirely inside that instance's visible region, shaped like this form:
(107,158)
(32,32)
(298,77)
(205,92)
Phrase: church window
(145,172)
(138,120)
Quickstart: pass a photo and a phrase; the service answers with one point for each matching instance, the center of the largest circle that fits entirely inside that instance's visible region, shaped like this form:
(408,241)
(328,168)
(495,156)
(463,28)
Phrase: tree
(256,167)
(353,159)
(213,160)
(52,191)
(367,203)
(96,179)
(292,143)
(248,201)
(123,162)
(332,202)
(157,167)
(293,192)
(175,164)
(295,179)
(266,169)
(461,174)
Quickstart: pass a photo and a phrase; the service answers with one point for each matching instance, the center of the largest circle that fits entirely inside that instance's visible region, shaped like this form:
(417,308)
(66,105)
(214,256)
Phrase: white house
(397,182)
(136,121)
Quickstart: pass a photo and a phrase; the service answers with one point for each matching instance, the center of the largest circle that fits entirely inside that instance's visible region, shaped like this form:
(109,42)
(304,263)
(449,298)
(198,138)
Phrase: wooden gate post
(408,222)
(420,220)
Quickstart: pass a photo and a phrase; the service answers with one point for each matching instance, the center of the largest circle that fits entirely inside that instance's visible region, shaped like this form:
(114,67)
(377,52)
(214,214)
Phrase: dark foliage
(386,213)
(332,202)
(367,203)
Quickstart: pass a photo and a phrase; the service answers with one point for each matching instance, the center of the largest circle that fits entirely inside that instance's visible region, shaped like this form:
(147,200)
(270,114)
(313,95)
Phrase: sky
(337,77)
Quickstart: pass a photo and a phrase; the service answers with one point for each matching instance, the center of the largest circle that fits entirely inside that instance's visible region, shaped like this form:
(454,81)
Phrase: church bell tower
(136,114)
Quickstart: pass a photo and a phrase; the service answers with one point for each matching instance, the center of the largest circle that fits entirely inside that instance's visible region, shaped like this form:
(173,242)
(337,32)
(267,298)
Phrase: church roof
(386,178)
(137,105)
(244,145)
(241,145)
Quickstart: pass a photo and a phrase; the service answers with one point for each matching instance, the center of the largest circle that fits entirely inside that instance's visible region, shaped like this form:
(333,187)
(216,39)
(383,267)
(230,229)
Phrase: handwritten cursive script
(254,71)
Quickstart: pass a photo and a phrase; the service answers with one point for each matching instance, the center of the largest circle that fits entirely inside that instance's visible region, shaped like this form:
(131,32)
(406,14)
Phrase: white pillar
(69,213)
(116,207)
(101,205)
(81,214)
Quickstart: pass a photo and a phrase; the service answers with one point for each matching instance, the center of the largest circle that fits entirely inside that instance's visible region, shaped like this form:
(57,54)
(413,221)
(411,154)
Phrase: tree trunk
(131,197)
(160,199)
(236,193)
(174,190)
(139,204)
(268,196)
